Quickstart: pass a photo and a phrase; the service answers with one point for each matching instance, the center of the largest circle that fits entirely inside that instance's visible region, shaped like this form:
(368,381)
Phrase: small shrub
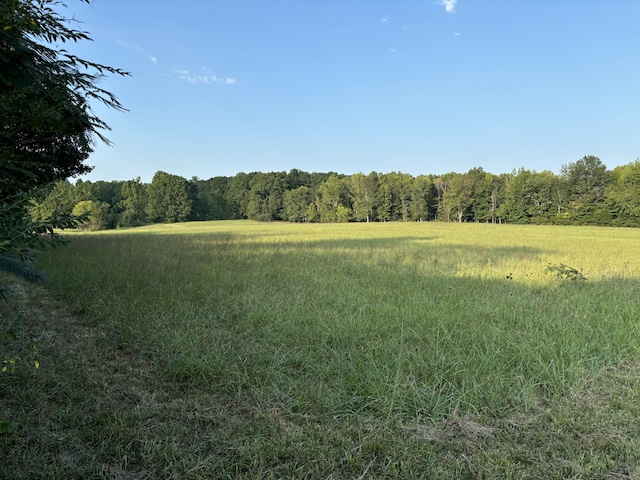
(566,272)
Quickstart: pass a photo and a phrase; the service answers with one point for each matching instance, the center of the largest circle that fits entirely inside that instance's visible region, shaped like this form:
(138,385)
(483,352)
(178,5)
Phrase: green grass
(273,350)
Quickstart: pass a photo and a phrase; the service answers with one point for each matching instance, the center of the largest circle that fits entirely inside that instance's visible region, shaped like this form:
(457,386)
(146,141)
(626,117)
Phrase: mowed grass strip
(345,351)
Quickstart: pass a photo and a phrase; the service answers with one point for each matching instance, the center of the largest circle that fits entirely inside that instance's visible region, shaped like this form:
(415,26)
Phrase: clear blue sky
(226,86)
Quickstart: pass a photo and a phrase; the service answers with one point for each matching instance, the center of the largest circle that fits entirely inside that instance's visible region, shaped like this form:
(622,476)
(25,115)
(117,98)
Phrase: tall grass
(389,322)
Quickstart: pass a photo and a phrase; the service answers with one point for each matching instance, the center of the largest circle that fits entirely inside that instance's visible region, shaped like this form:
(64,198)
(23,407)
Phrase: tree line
(584,193)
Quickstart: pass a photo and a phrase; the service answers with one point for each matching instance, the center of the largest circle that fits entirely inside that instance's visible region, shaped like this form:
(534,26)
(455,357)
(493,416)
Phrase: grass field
(273,350)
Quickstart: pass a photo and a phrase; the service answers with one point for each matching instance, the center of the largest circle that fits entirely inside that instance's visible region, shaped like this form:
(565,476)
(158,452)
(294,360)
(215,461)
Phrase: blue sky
(226,86)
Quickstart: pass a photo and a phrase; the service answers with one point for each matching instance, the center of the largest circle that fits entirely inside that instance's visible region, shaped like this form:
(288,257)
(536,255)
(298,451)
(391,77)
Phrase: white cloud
(385,19)
(203,77)
(134,46)
(449,5)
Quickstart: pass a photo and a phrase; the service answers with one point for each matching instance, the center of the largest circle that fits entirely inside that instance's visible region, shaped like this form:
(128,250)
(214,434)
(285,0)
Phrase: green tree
(210,199)
(461,195)
(133,203)
(333,200)
(515,208)
(623,194)
(102,192)
(395,199)
(318,178)
(486,188)
(57,199)
(587,180)
(543,198)
(443,209)
(47,123)
(312,213)
(363,190)
(533,197)
(385,201)
(265,197)
(199,201)
(106,192)
(296,204)
(97,214)
(297,178)
(237,194)
(168,197)
(422,198)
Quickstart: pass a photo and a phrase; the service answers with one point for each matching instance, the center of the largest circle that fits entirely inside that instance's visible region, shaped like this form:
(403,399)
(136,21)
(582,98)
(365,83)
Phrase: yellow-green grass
(398,349)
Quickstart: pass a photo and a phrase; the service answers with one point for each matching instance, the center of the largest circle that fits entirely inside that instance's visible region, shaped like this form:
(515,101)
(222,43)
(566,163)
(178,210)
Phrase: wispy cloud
(204,77)
(135,47)
(385,19)
(449,5)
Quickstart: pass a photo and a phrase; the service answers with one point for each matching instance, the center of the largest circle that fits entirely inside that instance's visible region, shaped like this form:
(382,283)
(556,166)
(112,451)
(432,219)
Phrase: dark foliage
(46,124)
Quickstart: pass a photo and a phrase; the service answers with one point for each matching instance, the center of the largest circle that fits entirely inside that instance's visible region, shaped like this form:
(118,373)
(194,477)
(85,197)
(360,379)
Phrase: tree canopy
(47,127)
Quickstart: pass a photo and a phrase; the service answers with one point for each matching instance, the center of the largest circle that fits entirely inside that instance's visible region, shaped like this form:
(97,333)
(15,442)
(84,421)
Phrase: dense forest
(585,192)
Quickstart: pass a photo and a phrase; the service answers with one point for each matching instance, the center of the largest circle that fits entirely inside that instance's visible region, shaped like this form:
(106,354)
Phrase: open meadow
(238,349)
